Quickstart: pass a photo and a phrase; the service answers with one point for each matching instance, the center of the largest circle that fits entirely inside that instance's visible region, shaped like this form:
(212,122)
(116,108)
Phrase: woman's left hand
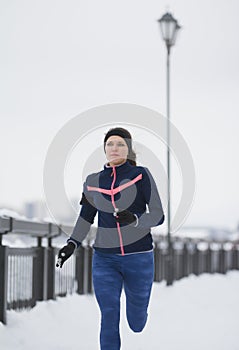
(126,217)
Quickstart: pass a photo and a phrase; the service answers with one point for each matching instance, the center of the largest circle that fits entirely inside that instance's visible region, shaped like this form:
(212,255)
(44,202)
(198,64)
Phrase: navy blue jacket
(126,187)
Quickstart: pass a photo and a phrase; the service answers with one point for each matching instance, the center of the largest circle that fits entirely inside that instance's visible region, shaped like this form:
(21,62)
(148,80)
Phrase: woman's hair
(125,134)
(132,157)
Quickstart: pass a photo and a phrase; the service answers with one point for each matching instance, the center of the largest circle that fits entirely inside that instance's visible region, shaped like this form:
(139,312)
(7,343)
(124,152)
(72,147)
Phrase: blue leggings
(112,272)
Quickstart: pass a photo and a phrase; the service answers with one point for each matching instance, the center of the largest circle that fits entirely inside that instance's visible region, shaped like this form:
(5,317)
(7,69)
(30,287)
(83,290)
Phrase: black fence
(195,257)
(28,275)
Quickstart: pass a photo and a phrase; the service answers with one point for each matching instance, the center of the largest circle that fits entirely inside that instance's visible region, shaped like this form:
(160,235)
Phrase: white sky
(59,58)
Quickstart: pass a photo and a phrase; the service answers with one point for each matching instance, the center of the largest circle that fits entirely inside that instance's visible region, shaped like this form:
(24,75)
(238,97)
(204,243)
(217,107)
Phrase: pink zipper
(113,203)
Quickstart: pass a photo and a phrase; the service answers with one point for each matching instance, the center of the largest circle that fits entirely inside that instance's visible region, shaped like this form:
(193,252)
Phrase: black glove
(65,253)
(125,217)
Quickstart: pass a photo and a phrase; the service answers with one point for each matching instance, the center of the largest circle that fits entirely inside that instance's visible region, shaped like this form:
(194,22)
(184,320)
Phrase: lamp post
(169,29)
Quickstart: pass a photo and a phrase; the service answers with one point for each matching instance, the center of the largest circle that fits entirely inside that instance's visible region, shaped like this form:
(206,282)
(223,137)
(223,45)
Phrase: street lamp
(169,29)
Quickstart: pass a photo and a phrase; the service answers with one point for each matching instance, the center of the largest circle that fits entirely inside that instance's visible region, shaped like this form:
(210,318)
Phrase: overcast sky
(60,58)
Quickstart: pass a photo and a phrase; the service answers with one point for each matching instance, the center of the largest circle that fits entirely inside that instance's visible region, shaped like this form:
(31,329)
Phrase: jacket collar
(120,167)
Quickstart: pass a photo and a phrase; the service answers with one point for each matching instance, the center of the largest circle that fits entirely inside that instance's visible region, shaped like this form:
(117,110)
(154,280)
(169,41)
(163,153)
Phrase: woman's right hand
(65,253)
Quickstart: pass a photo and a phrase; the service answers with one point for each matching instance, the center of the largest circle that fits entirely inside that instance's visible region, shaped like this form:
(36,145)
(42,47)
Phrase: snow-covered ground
(196,313)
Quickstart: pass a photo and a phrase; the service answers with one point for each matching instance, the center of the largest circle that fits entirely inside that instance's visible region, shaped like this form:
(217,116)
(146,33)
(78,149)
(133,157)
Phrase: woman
(128,205)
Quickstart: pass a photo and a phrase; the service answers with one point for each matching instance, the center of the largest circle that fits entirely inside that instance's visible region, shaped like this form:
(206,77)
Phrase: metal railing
(28,275)
(195,256)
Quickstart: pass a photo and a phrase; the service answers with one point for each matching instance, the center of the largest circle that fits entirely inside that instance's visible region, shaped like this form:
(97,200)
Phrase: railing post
(196,260)
(235,255)
(156,262)
(89,263)
(87,280)
(51,273)
(162,261)
(209,259)
(185,259)
(40,274)
(222,267)
(3,283)
(79,272)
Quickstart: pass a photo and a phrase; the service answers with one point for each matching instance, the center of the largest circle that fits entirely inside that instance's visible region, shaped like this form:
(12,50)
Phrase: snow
(4,212)
(196,313)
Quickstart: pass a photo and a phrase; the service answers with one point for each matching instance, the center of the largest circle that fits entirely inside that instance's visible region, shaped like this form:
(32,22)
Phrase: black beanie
(122,133)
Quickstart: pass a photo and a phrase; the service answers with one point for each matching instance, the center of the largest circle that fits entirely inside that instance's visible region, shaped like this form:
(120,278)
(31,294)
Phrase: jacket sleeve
(85,218)
(155,214)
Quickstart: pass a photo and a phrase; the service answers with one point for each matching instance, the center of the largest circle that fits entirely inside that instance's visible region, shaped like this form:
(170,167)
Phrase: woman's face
(116,150)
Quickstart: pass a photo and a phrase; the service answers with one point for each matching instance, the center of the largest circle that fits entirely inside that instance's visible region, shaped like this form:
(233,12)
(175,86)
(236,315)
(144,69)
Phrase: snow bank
(196,313)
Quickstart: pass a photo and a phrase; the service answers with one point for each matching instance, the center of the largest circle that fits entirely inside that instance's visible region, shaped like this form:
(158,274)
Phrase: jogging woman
(128,205)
